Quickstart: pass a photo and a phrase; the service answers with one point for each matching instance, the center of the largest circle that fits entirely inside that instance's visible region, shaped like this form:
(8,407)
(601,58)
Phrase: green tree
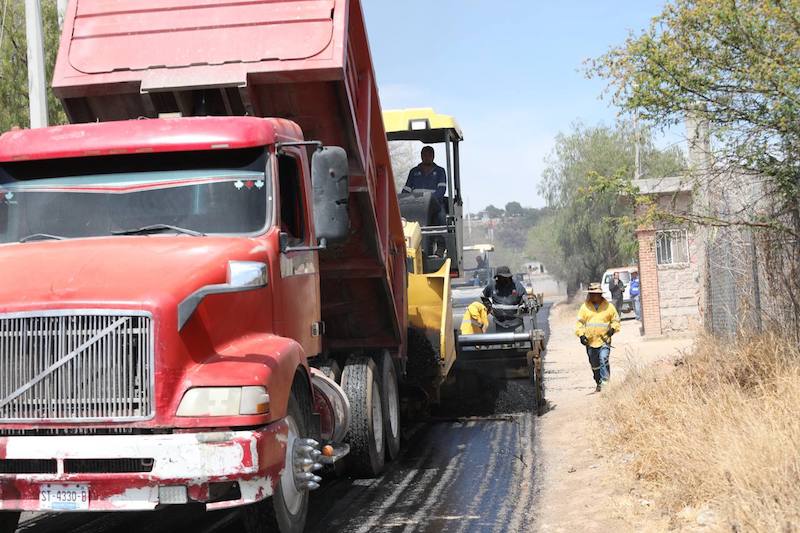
(514,209)
(509,237)
(591,228)
(511,233)
(494,212)
(734,64)
(14,65)
(542,245)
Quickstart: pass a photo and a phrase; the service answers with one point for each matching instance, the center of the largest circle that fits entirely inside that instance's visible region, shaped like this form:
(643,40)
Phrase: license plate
(64,497)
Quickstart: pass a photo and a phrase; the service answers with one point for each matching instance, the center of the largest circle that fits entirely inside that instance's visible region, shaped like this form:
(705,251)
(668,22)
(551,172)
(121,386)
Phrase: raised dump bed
(302,60)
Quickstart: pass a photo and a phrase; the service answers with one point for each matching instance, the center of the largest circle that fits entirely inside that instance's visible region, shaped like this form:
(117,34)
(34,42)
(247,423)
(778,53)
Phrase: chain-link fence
(752,282)
(749,239)
(733,282)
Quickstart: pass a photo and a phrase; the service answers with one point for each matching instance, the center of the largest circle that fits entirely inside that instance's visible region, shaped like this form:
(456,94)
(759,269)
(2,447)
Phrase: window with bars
(672,247)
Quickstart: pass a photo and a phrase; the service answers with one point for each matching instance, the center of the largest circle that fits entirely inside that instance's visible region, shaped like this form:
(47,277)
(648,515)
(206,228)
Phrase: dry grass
(722,431)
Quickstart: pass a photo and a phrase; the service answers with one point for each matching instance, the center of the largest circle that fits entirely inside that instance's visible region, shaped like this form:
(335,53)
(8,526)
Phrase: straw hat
(595,288)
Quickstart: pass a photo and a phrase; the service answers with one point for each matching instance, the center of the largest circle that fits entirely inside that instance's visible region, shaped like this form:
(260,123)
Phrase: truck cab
(151,290)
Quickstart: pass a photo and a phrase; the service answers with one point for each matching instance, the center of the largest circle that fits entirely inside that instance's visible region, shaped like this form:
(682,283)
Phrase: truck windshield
(186,201)
(190,193)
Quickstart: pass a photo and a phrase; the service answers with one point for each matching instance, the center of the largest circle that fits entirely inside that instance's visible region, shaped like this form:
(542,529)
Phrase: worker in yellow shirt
(598,321)
(476,319)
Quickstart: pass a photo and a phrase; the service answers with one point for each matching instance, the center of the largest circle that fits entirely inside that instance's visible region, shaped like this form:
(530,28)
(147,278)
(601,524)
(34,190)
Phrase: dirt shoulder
(579,488)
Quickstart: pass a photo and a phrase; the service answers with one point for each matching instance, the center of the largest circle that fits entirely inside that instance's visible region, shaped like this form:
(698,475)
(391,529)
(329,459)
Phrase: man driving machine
(506,296)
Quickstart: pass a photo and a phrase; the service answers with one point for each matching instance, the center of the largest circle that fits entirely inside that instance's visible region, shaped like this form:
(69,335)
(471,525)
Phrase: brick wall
(648,273)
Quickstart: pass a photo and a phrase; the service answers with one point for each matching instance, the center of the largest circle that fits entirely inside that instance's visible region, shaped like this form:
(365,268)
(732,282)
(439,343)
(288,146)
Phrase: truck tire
(9,521)
(286,510)
(331,370)
(361,383)
(390,404)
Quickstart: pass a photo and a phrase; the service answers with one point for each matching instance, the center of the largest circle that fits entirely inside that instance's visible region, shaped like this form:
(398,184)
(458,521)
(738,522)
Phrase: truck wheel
(8,521)
(365,437)
(391,404)
(286,510)
(331,370)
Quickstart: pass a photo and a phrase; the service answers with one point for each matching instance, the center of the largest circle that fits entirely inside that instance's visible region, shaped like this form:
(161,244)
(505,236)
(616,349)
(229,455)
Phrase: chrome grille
(76,366)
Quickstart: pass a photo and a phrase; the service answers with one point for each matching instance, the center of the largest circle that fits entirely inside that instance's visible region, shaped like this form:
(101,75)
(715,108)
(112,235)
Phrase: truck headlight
(224,401)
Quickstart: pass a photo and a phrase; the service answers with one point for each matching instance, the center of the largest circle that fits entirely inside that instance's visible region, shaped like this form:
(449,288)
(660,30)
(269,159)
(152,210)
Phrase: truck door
(298,303)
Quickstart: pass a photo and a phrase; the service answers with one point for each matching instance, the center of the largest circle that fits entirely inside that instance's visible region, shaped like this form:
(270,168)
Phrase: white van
(625,277)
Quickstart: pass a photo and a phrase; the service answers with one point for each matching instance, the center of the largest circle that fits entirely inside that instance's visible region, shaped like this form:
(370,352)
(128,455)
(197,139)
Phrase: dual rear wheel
(372,387)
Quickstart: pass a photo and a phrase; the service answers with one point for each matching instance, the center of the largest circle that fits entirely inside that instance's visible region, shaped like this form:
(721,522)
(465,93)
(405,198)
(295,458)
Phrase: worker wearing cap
(598,321)
(476,319)
(506,296)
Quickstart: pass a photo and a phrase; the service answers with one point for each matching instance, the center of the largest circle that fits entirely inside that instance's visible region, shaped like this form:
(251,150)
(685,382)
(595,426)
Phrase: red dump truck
(200,303)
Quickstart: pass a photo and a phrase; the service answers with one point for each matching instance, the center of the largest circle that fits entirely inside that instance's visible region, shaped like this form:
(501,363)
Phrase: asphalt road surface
(455,474)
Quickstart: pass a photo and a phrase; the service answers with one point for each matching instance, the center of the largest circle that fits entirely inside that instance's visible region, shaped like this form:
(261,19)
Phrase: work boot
(598,388)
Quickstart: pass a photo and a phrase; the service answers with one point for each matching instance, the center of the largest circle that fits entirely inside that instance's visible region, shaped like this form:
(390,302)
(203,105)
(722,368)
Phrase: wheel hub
(305,458)
(299,467)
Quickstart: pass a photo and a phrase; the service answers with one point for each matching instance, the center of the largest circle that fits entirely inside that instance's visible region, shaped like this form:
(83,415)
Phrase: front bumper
(185,467)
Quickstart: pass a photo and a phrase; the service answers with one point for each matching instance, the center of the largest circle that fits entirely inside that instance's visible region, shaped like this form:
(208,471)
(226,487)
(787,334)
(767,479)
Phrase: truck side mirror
(331,184)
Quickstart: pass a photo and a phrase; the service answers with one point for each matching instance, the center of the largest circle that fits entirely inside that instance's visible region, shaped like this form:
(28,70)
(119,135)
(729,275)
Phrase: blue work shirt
(435,182)
(634,287)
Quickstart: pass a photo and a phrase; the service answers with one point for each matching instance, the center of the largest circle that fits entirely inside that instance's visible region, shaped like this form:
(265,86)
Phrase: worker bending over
(476,319)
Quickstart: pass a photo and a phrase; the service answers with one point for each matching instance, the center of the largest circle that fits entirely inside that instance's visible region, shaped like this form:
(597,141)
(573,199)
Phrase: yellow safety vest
(594,323)
(476,319)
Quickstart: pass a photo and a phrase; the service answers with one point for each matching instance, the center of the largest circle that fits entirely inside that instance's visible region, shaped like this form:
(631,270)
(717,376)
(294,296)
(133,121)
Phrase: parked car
(625,277)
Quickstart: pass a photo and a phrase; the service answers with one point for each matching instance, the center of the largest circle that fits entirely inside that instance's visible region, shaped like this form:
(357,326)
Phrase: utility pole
(37,93)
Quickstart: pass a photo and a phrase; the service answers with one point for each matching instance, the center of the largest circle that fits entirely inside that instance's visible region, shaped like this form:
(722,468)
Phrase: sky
(510,71)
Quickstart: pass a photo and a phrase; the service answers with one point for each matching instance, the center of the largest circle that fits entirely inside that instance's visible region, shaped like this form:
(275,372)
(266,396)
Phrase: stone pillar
(648,276)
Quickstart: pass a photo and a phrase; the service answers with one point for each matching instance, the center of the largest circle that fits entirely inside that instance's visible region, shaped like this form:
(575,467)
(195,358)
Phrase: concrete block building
(670,263)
